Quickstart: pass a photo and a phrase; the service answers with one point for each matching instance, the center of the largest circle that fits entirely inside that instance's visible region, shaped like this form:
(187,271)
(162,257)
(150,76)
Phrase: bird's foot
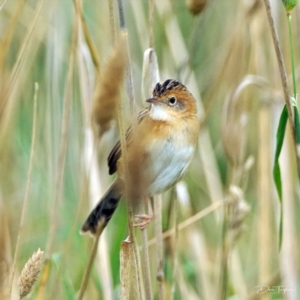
(142,221)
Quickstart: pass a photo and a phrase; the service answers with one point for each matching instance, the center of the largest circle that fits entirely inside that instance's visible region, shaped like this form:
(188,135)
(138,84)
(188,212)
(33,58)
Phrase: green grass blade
(297,124)
(279,142)
(276,170)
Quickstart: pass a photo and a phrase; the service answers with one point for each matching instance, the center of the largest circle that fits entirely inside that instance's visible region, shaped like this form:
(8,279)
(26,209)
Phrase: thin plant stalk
(159,245)
(203,213)
(146,264)
(289,18)
(125,261)
(112,20)
(265,240)
(136,259)
(175,246)
(26,197)
(7,38)
(283,77)
(63,147)
(224,256)
(89,266)
(129,76)
(87,36)
(70,238)
(151,23)
(17,66)
(61,165)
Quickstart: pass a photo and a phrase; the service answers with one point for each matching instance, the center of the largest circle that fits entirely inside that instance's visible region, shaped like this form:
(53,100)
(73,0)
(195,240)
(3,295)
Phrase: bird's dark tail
(103,210)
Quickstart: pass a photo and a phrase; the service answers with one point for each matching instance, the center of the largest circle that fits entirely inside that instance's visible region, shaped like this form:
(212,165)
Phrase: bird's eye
(172,101)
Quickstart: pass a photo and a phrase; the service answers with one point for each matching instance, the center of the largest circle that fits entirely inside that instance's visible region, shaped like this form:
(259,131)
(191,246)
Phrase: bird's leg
(144,219)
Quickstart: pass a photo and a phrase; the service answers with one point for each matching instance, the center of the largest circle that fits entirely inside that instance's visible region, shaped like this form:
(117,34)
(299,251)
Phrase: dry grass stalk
(24,49)
(125,262)
(201,214)
(284,80)
(129,77)
(30,273)
(146,265)
(64,135)
(89,266)
(7,38)
(26,197)
(135,183)
(202,262)
(159,245)
(123,165)
(8,105)
(290,248)
(265,238)
(151,23)
(235,212)
(112,20)
(175,275)
(87,35)
(110,81)
(137,277)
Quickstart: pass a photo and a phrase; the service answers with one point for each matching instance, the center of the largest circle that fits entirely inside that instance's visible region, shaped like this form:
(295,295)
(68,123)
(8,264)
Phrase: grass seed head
(108,88)
(30,273)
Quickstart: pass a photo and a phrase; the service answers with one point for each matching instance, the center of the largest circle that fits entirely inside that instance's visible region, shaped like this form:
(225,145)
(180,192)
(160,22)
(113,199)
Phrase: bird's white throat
(158,112)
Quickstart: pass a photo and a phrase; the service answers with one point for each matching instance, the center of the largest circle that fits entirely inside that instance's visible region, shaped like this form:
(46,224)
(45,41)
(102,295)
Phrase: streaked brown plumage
(159,148)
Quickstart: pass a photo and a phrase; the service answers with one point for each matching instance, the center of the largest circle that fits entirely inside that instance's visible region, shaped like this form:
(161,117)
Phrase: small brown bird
(159,148)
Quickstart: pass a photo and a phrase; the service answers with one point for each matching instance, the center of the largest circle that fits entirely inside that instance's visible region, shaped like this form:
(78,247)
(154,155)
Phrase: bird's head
(170,100)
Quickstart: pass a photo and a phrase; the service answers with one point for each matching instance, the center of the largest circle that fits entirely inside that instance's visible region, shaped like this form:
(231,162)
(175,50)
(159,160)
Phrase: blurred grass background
(226,55)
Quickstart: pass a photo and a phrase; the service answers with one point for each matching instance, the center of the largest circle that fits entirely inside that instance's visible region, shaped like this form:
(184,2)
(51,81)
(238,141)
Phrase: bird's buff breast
(163,157)
(160,153)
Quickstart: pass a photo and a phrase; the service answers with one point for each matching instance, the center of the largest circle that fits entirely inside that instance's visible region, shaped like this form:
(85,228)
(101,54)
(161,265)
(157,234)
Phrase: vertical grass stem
(289,17)
(26,198)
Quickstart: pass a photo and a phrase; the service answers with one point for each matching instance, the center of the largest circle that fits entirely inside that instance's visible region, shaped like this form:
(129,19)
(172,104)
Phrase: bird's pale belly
(167,163)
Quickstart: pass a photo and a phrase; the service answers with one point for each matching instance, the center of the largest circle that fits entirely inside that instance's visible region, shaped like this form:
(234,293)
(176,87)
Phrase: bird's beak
(152,100)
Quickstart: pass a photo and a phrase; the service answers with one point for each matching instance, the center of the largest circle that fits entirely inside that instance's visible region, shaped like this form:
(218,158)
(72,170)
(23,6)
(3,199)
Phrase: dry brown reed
(30,273)
(110,81)
(87,35)
(191,220)
(125,262)
(89,266)
(137,277)
(265,239)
